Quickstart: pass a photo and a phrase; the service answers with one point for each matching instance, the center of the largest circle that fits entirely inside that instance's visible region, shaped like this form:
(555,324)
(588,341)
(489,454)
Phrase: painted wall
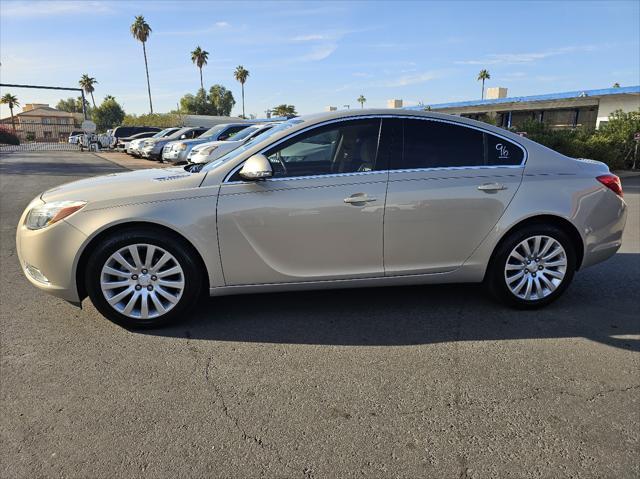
(609,104)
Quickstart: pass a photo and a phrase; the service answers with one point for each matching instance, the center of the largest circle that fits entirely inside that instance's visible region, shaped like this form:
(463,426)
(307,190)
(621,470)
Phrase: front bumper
(53,252)
(169,154)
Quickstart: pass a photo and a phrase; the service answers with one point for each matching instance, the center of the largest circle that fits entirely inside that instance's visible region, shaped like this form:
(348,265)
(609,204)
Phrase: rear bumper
(604,229)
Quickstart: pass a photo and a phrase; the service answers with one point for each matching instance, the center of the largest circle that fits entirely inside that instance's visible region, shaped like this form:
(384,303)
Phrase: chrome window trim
(382,117)
(309,177)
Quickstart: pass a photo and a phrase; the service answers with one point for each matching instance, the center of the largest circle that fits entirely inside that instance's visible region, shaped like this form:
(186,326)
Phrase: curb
(110,161)
(626,173)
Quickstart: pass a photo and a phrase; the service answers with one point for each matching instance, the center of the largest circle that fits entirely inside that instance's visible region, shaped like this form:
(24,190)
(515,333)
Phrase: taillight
(612,182)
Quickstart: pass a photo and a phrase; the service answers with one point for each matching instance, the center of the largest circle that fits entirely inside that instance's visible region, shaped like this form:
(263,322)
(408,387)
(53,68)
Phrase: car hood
(126,188)
(217,143)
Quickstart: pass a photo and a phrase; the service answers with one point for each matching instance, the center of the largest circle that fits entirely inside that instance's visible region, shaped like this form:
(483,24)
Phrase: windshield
(162,133)
(212,131)
(244,133)
(241,149)
(176,135)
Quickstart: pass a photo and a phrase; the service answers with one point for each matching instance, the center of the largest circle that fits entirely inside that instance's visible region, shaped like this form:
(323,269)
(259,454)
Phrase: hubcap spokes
(142,281)
(535,268)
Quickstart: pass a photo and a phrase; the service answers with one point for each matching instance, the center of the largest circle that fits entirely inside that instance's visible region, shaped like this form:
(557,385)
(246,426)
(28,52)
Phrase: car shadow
(601,305)
(67,168)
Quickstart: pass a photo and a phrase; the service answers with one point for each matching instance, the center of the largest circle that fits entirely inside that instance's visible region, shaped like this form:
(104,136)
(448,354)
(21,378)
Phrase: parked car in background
(127,131)
(211,150)
(178,151)
(341,199)
(123,143)
(135,145)
(152,147)
(74,136)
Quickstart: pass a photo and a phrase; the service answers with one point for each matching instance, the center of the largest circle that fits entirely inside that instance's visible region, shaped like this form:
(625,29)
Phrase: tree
(141,30)
(221,99)
(483,75)
(218,102)
(197,104)
(241,75)
(361,99)
(87,82)
(11,101)
(284,110)
(200,57)
(109,114)
(616,85)
(161,120)
(73,105)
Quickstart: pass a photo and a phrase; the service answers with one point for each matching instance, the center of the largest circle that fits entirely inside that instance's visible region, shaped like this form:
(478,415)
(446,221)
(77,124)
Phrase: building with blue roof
(572,109)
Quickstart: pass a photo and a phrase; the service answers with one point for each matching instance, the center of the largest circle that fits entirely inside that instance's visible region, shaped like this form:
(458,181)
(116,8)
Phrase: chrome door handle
(492,187)
(359,198)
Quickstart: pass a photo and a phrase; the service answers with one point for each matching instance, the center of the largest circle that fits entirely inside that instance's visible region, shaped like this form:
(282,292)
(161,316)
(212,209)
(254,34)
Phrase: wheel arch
(545,219)
(83,258)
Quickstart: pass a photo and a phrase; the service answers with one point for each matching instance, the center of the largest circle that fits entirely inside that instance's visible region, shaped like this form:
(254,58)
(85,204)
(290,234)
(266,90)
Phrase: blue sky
(314,54)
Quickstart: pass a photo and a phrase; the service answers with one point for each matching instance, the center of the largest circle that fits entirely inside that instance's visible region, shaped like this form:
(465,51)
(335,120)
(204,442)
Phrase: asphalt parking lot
(391,382)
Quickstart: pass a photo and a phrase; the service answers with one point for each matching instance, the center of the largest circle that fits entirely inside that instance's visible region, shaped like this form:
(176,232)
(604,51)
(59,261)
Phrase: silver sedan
(335,200)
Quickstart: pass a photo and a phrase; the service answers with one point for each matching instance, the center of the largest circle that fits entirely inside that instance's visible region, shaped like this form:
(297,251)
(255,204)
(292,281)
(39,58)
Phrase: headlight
(44,215)
(208,149)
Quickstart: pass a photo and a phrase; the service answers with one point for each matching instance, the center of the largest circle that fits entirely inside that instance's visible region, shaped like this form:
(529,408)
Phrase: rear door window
(436,144)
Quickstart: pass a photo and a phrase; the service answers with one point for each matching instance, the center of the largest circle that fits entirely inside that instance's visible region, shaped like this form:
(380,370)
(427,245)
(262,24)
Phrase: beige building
(584,108)
(39,122)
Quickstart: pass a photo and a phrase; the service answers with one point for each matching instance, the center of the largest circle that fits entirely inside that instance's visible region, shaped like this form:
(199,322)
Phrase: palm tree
(200,57)
(141,30)
(241,75)
(87,82)
(11,101)
(483,75)
(361,99)
(284,110)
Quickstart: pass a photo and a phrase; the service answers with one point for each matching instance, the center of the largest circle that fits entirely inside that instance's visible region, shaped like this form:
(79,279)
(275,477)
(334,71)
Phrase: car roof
(306,121)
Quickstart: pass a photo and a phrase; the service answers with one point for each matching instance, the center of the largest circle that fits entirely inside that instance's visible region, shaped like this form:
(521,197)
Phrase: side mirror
(256,168)
(182,137)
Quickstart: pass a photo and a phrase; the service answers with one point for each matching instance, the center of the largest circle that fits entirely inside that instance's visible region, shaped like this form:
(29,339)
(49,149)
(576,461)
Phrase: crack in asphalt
(613,390)
(250,438)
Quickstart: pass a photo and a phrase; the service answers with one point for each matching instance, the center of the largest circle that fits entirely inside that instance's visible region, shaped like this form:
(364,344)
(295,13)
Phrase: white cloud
(406,80)
(309,38)
(51,8)
(319,52)
(202,31)
(523,58)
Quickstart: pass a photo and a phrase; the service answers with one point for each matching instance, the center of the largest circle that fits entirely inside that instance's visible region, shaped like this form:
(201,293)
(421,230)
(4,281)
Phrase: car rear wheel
(142,280)
(532,267)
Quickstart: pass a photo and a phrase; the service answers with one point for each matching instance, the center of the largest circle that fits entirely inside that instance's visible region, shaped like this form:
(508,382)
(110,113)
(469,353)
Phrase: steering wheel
(280,165)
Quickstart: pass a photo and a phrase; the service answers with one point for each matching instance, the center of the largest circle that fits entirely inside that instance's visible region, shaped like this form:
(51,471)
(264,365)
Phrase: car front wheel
(142,280)
(532,267)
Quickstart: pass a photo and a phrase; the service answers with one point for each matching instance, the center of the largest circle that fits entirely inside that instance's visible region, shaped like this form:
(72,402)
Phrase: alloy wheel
(142,281)
(535,268)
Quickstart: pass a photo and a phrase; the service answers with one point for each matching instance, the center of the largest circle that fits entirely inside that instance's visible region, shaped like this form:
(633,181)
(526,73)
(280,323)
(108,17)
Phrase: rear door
(448,186)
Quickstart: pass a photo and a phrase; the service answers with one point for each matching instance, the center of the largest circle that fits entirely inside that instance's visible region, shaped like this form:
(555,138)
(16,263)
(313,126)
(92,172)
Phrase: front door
(320,216)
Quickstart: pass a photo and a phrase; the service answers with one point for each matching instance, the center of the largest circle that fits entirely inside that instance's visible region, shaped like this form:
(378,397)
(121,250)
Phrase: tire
(169,284)
(507,271)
